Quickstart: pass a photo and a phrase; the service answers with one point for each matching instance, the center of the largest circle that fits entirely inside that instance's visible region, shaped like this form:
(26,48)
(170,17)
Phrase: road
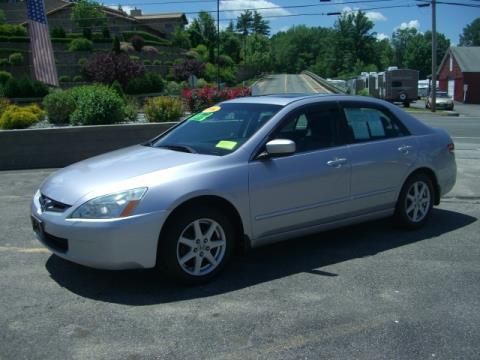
(287,83)
(366,292)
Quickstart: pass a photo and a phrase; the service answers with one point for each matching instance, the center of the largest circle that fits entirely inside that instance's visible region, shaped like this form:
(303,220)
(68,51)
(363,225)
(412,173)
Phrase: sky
(451,19)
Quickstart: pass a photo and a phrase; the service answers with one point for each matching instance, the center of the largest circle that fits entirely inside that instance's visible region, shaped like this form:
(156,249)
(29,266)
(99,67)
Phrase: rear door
(308,187)
(382,151)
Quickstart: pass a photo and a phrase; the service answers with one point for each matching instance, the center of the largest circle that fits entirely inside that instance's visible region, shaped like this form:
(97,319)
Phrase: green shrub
(82,61)
(15,59)
(157,62)
(58,32)
(96,104)
(134,58)
(4,62)
(80,44)
(148,83)
(130,109)
(25,87)
(4,103)
(59,105)
(201,83)
(173,88)
(64,78)
(77,78)
(4,76)
(20,117)
(12,30)
(147,62)
(363,92)
(127,35)
(117,88)
(163,108)
(39,89)
(11,88)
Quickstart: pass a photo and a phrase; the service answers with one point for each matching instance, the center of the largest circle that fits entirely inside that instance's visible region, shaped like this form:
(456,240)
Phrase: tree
(230,44)
(471,34)
(400,40)
(245,22)
(185,68)
(2,17)
(87,14)
(354,41)
(258,48)
(384,54)
(203,31)
(180,38)
(259,25)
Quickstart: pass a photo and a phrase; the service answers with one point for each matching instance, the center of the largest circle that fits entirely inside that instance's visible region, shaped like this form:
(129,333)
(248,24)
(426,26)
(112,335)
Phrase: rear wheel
(415,202)
(196,245)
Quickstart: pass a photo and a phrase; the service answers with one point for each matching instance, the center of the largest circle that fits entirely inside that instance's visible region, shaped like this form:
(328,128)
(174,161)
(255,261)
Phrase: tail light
(451,148)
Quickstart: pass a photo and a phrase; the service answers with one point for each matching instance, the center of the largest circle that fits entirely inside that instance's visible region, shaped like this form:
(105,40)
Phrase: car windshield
(218,130)
(442,95)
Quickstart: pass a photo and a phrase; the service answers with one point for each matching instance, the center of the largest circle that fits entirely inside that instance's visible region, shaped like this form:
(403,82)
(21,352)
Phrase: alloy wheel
(201,247)
(417,201)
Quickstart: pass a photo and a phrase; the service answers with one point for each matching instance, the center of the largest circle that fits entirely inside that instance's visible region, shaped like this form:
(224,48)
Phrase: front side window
(313,128)
(218,130)
(366,124)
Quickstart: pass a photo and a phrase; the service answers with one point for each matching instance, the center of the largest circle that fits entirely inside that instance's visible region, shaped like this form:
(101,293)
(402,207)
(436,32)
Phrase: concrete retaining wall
(59,147)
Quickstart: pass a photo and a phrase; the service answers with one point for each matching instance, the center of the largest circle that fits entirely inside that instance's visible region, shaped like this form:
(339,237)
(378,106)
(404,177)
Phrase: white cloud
(231,6)
(376,16)
(382,36)
(411,24)
(125,8)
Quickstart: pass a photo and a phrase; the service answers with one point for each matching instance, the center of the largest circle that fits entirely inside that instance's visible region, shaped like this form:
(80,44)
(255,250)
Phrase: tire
(187,253)
(415,202)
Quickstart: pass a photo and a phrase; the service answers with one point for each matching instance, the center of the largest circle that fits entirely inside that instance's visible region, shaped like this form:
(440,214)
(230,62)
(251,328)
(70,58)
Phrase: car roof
(286,98)
(278,99)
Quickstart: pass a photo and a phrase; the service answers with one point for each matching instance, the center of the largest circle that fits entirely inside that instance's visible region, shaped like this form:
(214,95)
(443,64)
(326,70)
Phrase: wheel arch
(433,177)
(214,201)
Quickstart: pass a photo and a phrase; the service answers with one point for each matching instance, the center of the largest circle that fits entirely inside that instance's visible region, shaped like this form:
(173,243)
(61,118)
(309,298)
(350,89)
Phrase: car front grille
(48,204)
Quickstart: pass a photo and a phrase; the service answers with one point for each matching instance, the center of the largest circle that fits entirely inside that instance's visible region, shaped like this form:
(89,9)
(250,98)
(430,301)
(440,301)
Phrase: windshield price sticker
(201,116)
(224,144)
(212,109)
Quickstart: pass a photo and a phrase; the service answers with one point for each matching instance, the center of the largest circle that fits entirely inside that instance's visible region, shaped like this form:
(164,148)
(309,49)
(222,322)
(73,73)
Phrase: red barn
(459,74)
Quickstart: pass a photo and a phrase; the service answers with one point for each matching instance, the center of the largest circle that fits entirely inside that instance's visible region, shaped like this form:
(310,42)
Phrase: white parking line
(24,250)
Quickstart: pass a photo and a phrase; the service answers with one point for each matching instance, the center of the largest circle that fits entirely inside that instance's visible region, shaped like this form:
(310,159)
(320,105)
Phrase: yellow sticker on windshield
(212,109)
(224,144)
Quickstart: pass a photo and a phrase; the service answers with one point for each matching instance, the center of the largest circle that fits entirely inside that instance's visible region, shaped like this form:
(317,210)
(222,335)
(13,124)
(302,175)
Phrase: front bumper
(115,244)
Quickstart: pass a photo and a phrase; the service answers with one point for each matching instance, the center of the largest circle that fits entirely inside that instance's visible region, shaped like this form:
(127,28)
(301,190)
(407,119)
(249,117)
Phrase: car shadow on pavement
(299,255)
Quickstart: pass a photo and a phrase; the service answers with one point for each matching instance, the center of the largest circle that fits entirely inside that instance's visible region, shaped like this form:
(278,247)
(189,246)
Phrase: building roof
(467,57)
(163,16)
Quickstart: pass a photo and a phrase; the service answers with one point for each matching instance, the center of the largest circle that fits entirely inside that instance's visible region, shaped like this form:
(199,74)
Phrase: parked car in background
(244,173)
(443,101)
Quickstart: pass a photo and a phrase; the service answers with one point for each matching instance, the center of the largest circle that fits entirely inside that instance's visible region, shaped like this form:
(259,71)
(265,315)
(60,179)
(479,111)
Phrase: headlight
(110,206)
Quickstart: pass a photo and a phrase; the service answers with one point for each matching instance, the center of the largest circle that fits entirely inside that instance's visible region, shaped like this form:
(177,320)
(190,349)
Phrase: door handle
(337,162)
(404,149)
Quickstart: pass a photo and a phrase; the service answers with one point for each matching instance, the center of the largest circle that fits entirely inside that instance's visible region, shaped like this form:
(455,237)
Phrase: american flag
(42,51)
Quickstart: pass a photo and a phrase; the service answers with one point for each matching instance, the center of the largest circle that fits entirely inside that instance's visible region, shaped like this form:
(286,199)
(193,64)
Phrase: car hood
(105,172)
(443,100)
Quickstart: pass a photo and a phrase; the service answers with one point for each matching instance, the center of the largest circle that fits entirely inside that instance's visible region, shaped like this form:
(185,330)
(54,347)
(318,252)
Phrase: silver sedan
(244,173)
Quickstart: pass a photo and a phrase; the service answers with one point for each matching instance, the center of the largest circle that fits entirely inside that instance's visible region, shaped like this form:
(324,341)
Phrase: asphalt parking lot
(366,292)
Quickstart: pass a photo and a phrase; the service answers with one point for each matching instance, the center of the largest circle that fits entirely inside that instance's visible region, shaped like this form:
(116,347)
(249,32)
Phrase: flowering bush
(199,99)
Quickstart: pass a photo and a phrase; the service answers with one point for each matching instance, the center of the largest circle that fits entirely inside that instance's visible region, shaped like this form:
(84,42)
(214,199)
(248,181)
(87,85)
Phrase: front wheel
(196,245)
(415,202)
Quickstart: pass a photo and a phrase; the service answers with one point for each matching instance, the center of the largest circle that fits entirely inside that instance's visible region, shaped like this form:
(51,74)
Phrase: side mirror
(280,147)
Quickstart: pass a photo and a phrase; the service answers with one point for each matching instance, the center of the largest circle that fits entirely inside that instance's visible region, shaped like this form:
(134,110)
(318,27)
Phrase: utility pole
(434,58)
(218,44)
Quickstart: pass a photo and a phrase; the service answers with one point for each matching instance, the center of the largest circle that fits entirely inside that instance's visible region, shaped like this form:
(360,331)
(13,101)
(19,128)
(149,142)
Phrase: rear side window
(367,124)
